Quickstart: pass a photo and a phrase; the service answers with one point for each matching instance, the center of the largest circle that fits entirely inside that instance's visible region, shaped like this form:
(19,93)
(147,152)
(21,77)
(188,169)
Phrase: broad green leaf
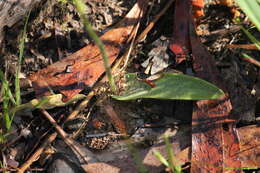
(252,10)
(172,86)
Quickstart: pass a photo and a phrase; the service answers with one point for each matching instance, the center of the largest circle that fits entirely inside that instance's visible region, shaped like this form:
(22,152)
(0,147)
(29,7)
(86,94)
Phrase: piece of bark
(12,11)
(82,69)
(213,148)
(212,145)
(250,146)
(180,44)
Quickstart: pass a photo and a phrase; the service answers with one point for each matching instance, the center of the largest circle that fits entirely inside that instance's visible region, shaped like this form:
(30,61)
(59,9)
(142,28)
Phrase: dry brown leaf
(81,70)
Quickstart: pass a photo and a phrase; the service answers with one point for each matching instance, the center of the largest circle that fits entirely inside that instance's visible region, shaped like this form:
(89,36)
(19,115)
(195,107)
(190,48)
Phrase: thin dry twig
(250,60)
(243,46)
(153,22)
(85,156)
(37,153)
(53,136)
(118,123)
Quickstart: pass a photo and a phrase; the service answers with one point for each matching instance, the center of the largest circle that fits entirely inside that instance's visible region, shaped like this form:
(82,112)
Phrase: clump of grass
(171,163)
(251,9)
(9,101)
(136,157)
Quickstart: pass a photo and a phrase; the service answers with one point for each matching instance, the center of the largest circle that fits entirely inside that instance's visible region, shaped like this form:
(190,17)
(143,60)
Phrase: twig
(153,22)
(243,46)
(81,106)
(53,136)
(85,156)
(37,153)
(250,59)
(118,123)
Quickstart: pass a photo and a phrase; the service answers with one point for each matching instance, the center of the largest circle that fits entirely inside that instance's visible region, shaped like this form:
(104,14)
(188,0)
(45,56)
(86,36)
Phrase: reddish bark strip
(218,146)
(180,44)
(82,69)
(213,148)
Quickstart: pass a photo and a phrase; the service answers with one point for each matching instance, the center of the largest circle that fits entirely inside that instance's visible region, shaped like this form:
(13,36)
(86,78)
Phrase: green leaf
(173,165)
(251,8)
(251,37)
(172,86)
(20,59)
(161,158)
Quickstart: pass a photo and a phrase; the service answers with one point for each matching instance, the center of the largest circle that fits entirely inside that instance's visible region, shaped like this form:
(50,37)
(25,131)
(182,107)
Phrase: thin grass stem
(81,8)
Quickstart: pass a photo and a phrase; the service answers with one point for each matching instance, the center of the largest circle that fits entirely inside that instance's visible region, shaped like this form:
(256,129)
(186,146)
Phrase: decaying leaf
(172,86)
(80,70)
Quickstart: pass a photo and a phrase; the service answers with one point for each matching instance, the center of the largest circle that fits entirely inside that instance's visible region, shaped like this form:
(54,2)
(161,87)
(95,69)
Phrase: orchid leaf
(173,86)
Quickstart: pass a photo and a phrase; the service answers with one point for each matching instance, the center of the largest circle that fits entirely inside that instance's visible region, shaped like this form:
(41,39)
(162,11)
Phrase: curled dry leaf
(81,70)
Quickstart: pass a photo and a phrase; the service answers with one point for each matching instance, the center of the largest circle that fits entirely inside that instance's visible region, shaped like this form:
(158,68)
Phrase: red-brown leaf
(82,69)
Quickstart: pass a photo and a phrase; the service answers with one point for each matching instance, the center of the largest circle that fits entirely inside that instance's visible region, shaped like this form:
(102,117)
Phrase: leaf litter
(139,113)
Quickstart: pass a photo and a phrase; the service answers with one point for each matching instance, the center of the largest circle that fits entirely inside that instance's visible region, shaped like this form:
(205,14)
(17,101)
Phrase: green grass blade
(136,157)
(6,115)
(252,10)
(3,80)
(2,140)
(251,59)
(251,37)
(20,59)
(81,8)
(172,162)
(161,158)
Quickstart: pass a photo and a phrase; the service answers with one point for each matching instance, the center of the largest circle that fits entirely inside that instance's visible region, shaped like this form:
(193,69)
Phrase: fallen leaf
(198,6)
(81,70)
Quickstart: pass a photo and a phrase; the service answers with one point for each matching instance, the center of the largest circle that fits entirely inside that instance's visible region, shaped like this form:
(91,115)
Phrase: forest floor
(54,31)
